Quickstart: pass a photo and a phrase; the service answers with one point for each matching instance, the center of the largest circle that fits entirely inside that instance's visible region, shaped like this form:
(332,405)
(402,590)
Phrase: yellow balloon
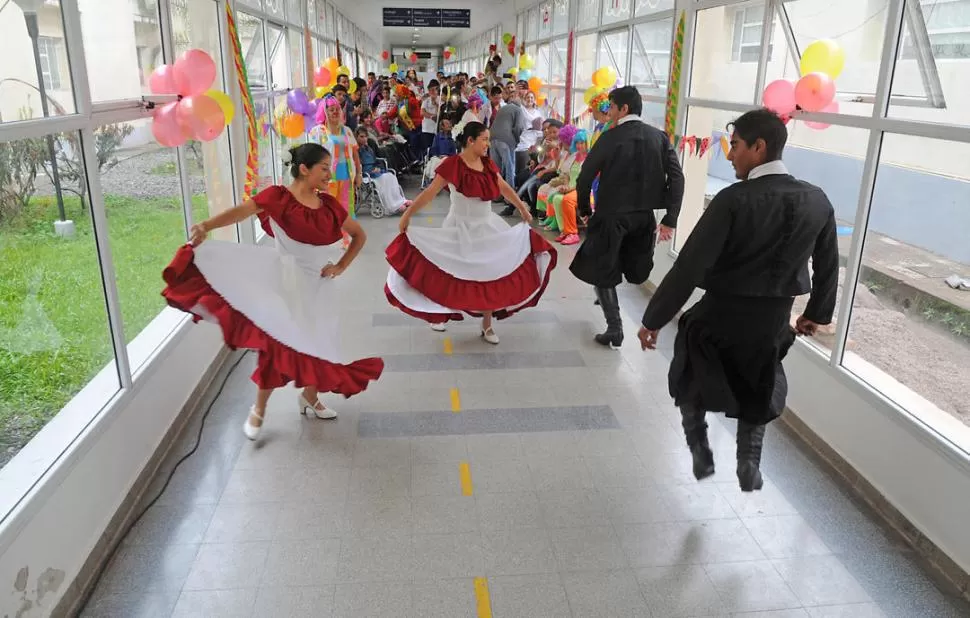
(228,109)
(604,77)
(321,91)
(591,92)
(343,70)
(526,62)
(393,67)
(352,88)
(825,56)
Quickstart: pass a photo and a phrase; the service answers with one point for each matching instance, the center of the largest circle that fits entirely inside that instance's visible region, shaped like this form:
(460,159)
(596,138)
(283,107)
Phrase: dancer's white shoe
(318,409)
(251,430)
(439,328)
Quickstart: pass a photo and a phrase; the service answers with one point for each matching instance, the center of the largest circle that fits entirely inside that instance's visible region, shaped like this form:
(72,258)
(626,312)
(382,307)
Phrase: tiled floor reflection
(543,477)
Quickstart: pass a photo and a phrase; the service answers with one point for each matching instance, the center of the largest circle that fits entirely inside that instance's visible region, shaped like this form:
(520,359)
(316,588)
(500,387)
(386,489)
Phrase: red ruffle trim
(310,226)
(277,364)
(501,296)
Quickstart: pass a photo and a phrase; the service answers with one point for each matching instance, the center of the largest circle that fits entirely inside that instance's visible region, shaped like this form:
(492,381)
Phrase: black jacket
(639,173)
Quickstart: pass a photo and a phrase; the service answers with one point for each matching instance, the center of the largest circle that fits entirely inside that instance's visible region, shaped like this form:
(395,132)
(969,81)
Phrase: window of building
(542,63)
(532,24)
(545,19)
(614,48)
(616,10)
(557,61)
(50,61)
(647,7)
(560,17)
(650,65)
(589,14)
(746,42)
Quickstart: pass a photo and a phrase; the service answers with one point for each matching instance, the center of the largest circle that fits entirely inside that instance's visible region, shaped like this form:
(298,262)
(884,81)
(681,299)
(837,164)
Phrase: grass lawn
(53,322)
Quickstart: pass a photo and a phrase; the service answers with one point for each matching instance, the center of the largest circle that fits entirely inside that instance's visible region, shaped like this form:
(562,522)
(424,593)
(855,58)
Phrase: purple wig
(567,133)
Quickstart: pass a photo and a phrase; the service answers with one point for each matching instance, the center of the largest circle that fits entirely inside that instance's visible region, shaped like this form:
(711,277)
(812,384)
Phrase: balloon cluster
(604,78)
(200,113)
(526,64)
(301,112)
(822,63)
(508,39)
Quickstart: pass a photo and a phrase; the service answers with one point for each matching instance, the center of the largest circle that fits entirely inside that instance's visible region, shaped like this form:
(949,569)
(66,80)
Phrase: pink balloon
(831,108)
(162,80)
(814,91)
(779,96)
(194,72)
(200,117)
(165,126)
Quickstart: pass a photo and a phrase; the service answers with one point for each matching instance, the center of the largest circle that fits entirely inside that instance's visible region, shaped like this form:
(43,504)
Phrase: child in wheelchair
(379,181)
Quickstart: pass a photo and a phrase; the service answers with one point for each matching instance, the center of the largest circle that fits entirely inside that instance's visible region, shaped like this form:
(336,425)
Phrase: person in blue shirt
(443,144)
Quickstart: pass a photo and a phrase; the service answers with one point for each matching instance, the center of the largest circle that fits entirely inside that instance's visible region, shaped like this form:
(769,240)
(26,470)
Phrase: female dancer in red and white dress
(475,263)
(279,302)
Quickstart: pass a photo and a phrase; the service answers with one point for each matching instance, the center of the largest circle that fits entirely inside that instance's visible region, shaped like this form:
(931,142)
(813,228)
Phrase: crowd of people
(486,141)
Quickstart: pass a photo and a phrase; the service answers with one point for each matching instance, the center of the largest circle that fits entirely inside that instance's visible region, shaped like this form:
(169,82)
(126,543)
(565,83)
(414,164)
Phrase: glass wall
(895,171)
(92,208)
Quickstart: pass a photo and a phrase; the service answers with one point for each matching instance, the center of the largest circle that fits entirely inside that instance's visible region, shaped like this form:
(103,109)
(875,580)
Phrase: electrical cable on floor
(171,474)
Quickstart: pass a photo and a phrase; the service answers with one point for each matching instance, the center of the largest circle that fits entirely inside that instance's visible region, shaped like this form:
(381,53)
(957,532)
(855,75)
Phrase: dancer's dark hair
(629,96)
(305,154)
(762,124)
(471,131)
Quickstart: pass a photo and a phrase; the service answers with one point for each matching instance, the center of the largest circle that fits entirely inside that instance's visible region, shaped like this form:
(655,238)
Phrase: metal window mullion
(932,88)
(785,22)
(629,49)
(890,53)
(767,31)
(109,280)
(77,63)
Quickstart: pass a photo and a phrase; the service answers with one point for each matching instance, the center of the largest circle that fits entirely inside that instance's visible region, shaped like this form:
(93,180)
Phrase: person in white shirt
(429,115)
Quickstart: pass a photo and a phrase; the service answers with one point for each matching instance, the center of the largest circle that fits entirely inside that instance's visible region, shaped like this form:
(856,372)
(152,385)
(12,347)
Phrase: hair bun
(287,157)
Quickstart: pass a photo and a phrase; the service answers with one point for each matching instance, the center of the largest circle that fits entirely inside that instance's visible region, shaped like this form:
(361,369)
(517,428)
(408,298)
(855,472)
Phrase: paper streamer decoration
(252,157)
(700,147)
(673,88)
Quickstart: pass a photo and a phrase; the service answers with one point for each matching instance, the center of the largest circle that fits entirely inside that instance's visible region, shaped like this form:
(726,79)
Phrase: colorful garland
(673,88)
(252,157)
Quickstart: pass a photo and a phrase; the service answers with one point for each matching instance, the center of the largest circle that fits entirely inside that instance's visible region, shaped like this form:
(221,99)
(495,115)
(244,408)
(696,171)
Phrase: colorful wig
(475,101)
(567,133)
(600,102)
(326,102)
(579,137)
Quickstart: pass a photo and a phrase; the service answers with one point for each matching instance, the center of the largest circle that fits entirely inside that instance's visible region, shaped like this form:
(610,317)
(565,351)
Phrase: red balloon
(165,126)
(194,72)
(414,57)
(447,54)
(385,54)
(162,80)
(321,77)
(200,117)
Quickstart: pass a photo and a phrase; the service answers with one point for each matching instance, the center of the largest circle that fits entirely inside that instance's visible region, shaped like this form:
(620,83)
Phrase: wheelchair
(368,198)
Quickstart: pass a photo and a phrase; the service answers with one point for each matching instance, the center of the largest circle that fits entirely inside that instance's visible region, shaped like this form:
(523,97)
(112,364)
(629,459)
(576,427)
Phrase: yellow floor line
(430,220)
(482,600)
(455,401)
(447,345)
(465,475)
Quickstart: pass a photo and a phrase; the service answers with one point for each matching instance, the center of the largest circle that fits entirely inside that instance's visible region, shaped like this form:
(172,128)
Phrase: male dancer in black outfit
(639,173)
(749,253)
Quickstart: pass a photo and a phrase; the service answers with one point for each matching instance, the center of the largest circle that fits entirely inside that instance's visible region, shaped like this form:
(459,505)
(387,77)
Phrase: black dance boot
(695,430)
(613,337)
(750,440)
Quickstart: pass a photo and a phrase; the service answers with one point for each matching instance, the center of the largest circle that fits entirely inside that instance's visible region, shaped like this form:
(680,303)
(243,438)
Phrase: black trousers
(616,246)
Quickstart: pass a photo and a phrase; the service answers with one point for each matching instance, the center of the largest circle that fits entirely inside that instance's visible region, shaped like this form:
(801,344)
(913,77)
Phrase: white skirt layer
(287,300)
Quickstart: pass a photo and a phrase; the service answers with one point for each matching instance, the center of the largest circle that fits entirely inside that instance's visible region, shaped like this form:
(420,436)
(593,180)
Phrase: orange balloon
(541,99)
(332,65)
(292,126)
(535,84)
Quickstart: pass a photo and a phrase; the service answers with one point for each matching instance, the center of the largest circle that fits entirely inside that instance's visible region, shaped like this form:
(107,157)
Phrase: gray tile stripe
(412,363)
(499,420)
(526,317)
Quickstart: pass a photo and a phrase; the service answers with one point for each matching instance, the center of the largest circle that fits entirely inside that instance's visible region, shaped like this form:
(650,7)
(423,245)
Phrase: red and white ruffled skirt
(267,302)
(470,265)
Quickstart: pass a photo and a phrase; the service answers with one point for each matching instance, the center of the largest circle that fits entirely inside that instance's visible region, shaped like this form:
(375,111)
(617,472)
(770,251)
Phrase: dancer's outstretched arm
(231,216)
(423,199)
(357,240)
(513,198)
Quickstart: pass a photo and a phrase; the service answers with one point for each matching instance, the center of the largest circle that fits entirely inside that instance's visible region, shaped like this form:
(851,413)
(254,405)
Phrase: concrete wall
(67,518)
